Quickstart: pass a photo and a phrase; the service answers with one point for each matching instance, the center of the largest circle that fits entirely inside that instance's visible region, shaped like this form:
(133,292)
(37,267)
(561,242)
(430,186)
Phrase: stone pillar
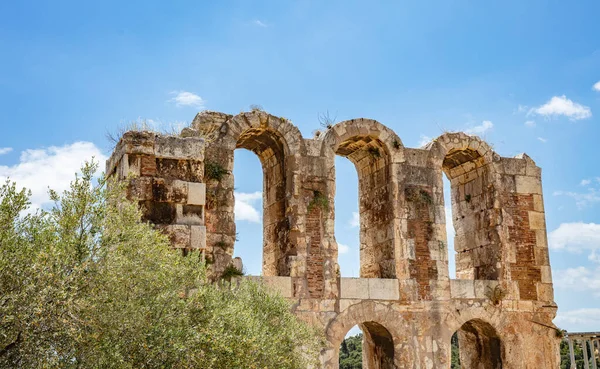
(585,354)
(593,350)
(571,353)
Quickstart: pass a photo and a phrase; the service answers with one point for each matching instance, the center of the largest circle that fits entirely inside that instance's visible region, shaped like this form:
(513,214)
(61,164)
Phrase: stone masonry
(502,303)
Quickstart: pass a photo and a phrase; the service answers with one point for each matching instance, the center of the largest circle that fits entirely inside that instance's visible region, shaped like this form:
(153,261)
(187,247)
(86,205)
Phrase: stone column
(593,344)
(586,361)
(572,353)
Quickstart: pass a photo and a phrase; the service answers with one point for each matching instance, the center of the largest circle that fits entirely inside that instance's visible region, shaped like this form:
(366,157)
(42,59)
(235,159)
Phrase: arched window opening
(371,343)
(476,241)
(347,220)
(371,159)
(248,194)
(476,345)
(269,146)
(351,349)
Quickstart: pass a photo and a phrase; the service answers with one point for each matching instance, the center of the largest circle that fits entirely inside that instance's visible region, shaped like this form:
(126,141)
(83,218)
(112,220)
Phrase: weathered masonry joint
(502,304)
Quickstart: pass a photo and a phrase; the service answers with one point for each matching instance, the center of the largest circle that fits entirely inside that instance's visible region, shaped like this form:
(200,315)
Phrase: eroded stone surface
(502,303)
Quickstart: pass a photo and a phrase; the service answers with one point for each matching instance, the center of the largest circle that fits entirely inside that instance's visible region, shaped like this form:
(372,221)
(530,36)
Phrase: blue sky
(519,73)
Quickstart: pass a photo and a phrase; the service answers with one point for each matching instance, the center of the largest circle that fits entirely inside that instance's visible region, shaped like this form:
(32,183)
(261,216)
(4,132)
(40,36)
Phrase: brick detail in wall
(524,270)
(315,275)
(420,230)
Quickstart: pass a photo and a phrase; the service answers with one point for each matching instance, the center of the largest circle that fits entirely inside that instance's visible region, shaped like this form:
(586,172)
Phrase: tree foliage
(351,352)
(87,285)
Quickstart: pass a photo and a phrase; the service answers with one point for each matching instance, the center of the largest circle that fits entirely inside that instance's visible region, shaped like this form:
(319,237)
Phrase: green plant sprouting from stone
(214,171)
(374,151)
(231,271)
(319,200)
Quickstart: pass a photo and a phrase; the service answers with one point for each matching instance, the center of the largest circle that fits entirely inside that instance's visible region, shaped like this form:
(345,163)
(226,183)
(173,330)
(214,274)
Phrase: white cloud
(542,139)
(530,123)
(480,129)
(53,167)
(5,150)
(342,249)
(582,199)
(259,23)
(575,237)
(589,317)
(245,203)
(585,182)
(560,105)
(355,221)
(424,140)
(596,86)
(184,98)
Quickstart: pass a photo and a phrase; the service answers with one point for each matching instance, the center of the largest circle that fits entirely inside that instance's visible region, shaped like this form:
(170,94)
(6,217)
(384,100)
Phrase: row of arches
(290,162)
(475,345)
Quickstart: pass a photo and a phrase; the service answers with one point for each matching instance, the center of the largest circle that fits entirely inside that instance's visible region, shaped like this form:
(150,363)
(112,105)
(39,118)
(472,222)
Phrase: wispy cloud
(542,139)
(343,249)
(585,182)
(530,123)
(583,318)
(562,106)
(596,86)
(5,150)
(582,199)
(53,167)
(575,237)
(260,24)
(246,206)
(485,126)
(185,98)
(424,140)
(355,220)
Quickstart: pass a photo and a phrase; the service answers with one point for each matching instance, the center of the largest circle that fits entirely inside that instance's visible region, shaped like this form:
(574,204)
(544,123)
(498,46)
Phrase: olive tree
(85,284)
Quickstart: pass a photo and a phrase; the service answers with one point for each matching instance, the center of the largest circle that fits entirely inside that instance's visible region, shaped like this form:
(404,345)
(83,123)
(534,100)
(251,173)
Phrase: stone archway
(371,147)
(480,347)
(467,163)
(278,145)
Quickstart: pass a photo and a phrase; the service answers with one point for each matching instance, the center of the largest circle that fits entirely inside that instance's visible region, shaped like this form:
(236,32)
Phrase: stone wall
(502,304)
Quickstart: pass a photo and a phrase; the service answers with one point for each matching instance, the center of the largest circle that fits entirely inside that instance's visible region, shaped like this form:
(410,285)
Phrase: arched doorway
(368,145)
(473,213)
(268,145)
(476,345)
(373,342)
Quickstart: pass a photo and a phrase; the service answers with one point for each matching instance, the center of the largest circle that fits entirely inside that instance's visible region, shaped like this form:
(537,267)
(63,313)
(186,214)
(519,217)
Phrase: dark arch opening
(476,345)
(269,146)
(371,158)
(375,351)
(476,240)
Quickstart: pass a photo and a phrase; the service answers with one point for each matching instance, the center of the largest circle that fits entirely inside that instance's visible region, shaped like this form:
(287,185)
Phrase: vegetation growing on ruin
(418,195)
(214,171)
(374,152)
(87,285)
(231,272)
(319,200)
(326,121)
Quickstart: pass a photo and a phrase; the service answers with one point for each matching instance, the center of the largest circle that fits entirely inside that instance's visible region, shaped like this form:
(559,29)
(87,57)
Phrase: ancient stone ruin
(501,305)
